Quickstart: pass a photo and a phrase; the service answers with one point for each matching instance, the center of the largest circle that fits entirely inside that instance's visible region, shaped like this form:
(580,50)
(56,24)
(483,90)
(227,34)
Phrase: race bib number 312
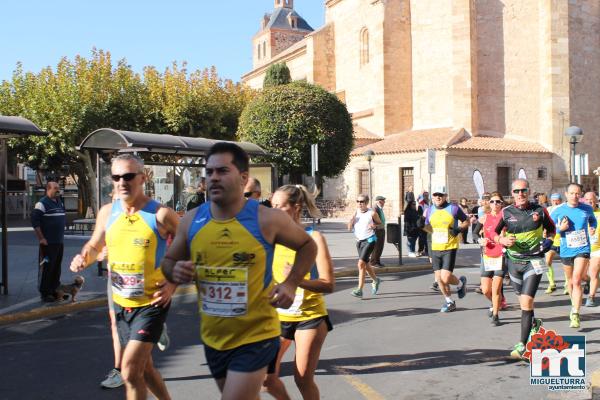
(224,291)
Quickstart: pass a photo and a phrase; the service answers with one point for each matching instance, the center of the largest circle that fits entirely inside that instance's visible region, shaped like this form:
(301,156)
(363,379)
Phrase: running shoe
(478,290)
(463,290)
(518,351)
(495,320)
(435,286)
(591,302)
(357,293)
(113,379)
(448,307)
(164,341)
(550,289)
(566,291)
(535,327)
(412,254)
(375,285)
(575,322)
(503,305)
(585,285)
(490,312)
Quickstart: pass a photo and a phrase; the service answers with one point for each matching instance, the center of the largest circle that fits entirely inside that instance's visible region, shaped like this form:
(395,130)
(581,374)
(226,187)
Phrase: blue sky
(145,32)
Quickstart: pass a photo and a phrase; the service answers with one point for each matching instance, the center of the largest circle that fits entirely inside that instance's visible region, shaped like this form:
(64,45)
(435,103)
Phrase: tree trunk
(88,178)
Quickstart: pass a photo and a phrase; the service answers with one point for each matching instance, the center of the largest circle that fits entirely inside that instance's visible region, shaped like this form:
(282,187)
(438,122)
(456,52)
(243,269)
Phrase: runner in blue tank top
(573,219)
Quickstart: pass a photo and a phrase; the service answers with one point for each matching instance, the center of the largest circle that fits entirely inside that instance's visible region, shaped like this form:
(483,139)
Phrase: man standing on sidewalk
(48,221)
(379,233)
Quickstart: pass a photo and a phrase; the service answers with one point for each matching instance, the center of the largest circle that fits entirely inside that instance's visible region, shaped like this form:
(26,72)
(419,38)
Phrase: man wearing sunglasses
(134,230)
(521,232)
(575,222)
(445,221)
(363,223)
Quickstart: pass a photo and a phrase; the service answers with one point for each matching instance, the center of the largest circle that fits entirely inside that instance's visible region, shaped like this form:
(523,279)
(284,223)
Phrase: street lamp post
(575,134)
(369,156)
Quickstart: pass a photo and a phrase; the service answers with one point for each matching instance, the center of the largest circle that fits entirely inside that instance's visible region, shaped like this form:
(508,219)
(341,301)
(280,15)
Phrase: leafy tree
(286,120)
(83,95)
(277,74)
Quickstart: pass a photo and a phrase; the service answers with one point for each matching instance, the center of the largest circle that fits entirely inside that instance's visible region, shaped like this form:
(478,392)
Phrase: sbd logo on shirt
(557,361)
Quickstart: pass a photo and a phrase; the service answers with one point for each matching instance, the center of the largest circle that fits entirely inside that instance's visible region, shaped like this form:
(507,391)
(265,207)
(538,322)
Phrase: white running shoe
(113,380)
(412,255)
(164,341)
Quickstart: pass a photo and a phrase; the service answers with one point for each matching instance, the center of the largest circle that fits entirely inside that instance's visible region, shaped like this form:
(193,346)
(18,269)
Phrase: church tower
(279,30)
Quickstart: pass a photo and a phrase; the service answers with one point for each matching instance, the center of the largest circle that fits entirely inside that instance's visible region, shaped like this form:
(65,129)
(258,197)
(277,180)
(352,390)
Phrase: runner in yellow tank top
(226,246)
(134,229)
(306,322)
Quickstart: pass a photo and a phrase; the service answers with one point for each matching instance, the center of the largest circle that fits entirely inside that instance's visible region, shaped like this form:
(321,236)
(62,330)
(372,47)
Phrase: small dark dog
(64,291)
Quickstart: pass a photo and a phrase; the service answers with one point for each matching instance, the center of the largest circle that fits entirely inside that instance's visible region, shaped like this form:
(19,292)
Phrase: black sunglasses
(247,194)
(515,191)
(126,177)
(361,201)
(496,201)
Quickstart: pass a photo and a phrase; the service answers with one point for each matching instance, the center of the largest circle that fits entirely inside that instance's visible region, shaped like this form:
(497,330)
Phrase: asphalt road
(396,345)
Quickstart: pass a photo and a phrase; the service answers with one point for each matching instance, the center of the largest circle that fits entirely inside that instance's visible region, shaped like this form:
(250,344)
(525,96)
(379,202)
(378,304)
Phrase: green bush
(286,120)
(277,74)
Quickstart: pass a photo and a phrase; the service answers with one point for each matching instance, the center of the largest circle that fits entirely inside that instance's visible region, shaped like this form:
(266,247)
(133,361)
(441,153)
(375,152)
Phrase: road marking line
(367,391)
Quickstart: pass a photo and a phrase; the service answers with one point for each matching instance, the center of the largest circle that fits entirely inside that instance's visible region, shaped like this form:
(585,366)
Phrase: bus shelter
(10,127)
(174,164)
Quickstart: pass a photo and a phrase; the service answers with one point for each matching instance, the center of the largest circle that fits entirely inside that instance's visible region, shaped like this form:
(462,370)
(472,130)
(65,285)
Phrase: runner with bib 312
(226,246)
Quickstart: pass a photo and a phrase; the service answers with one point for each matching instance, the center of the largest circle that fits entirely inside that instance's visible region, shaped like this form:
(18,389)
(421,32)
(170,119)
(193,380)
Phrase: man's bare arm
(90,251)
(178,251)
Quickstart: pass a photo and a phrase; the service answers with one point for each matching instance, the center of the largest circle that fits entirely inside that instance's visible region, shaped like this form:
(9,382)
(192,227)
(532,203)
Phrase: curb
(52,311)
(595,385)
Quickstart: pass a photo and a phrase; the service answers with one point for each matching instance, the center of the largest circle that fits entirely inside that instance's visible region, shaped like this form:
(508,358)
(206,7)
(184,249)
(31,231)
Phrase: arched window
(258,49)
(364,46)
(265,48)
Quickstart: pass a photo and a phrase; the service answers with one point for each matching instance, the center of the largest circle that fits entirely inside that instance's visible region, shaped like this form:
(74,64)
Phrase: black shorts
(523,277)
(555,249)
(140,323)
(288,329)
(246,358)
(365,248)
(443,259)
(570,261)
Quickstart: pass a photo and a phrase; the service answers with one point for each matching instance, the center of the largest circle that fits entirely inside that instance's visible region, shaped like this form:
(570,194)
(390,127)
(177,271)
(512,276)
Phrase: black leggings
(523,278)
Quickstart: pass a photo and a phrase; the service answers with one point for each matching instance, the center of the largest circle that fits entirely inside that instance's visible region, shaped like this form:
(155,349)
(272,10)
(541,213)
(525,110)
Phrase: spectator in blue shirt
(48,221)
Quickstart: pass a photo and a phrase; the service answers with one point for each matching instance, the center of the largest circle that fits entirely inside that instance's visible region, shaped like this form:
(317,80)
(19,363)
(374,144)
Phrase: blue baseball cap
(555,196)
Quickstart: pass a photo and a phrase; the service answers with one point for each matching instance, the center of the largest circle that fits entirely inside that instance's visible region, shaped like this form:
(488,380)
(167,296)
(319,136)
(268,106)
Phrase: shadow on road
(406,362)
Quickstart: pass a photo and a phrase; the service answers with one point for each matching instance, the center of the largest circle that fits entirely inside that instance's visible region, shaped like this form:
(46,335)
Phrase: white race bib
(439,236)
(539,266)
(223,290)
(294,309)
(127,279)
(492,263)
(576,239)
(593,239)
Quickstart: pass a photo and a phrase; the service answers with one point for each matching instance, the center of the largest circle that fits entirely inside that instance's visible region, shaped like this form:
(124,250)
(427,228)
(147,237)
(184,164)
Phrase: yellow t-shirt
(233,275)
(443,221)
(135,249)
(595,239)
(307,305)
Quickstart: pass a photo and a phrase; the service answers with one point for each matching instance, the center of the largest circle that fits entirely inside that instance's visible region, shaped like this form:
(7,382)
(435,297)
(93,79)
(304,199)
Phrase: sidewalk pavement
(23,302)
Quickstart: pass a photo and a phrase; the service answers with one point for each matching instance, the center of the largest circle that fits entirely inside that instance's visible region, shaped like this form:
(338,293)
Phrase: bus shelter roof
(107,139)
(11,127)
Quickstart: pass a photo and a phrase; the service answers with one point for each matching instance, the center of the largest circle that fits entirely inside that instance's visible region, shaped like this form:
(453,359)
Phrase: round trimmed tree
(285,120)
